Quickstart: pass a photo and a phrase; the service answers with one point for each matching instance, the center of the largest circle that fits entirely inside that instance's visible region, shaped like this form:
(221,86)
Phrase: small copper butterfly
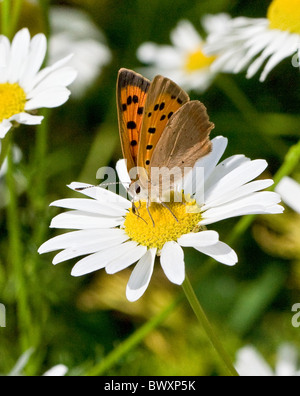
(160,128)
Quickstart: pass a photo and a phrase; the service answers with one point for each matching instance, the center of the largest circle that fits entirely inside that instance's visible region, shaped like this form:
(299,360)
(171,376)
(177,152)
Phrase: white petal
(123,174)
(101,259)
(256,203)
(35,59)
(5,126)
(208,163)
(50,98)
(251,364)
(235,179)
(289,48)
(185,37)
(223,169)
(276,43)
(92,247)
(132,255)
(81,220)
(172,262)
(100,194)
(78,238)
(287,361)
(48,70)
(290,193)
(141,276)
(203,238)
(27,119)
(90,206)
(240,192)
(19,52)
(220,252)
(60,78)
(57,371)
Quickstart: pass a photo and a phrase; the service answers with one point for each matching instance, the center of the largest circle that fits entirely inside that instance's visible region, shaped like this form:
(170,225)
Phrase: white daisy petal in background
(23,86)
(250,363)
(289,190)
(75,32)
(18,370)
(256,44)
(57,371)
(110,236)
(184,61)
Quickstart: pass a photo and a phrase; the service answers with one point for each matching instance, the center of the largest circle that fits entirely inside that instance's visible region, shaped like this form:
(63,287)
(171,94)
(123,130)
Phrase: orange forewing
(132,90)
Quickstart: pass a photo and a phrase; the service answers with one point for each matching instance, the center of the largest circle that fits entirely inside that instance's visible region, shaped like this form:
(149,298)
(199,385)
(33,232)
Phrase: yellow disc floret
(197,60)
(285,15)
(167,228)
(12,100)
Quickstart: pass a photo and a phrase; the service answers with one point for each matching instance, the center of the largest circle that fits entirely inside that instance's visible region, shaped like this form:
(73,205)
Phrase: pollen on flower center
(12,100)
(197,60)
(141,230)
(285,15)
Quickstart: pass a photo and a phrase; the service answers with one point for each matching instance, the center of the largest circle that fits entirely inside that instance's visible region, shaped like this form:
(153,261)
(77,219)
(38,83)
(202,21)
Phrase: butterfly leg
(136,212)
(148,210)
(169,209)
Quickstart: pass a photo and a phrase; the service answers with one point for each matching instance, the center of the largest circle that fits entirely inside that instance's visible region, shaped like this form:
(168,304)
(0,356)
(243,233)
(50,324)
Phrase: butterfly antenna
(99,186)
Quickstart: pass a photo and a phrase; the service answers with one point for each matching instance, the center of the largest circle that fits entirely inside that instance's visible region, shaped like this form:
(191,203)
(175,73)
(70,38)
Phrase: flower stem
(289,165)
(131,342)
(201,316)
(5,12)
(16,12)
(16,254)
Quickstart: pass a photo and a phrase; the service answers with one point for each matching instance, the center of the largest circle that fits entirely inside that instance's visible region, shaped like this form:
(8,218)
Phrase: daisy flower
(257,44)
(184,61)
(289,190)
(25,88)
(111,236)
(250,363)
(83,38)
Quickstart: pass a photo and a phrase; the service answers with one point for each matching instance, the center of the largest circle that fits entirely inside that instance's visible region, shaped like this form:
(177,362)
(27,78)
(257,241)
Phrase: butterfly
(160,129)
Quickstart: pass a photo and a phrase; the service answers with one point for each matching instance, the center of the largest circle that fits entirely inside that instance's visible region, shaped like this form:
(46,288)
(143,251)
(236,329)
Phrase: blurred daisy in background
(113,237)
(74,31)
(257,44)
(183,62)
(25,88)
(289,190)
(250,363)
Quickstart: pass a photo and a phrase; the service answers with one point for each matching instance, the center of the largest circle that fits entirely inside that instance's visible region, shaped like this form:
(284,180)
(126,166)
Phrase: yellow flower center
(197,60)
(12,100)
(285,15)
(167,228)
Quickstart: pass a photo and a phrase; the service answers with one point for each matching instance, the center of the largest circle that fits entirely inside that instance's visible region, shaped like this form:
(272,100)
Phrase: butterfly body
(161,130)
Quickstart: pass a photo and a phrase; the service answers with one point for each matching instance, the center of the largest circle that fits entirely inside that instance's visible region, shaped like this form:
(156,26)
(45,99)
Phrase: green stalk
(290,163)
(40,177)
(5,19)
(16,12)
(16,256)
(203,320)
(131,342)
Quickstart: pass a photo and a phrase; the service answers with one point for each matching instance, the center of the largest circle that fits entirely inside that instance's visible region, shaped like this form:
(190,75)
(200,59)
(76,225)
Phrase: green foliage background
(79,322)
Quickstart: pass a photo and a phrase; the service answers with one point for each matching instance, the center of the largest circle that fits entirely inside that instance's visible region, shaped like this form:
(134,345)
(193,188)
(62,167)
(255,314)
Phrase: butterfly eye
(138,190)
